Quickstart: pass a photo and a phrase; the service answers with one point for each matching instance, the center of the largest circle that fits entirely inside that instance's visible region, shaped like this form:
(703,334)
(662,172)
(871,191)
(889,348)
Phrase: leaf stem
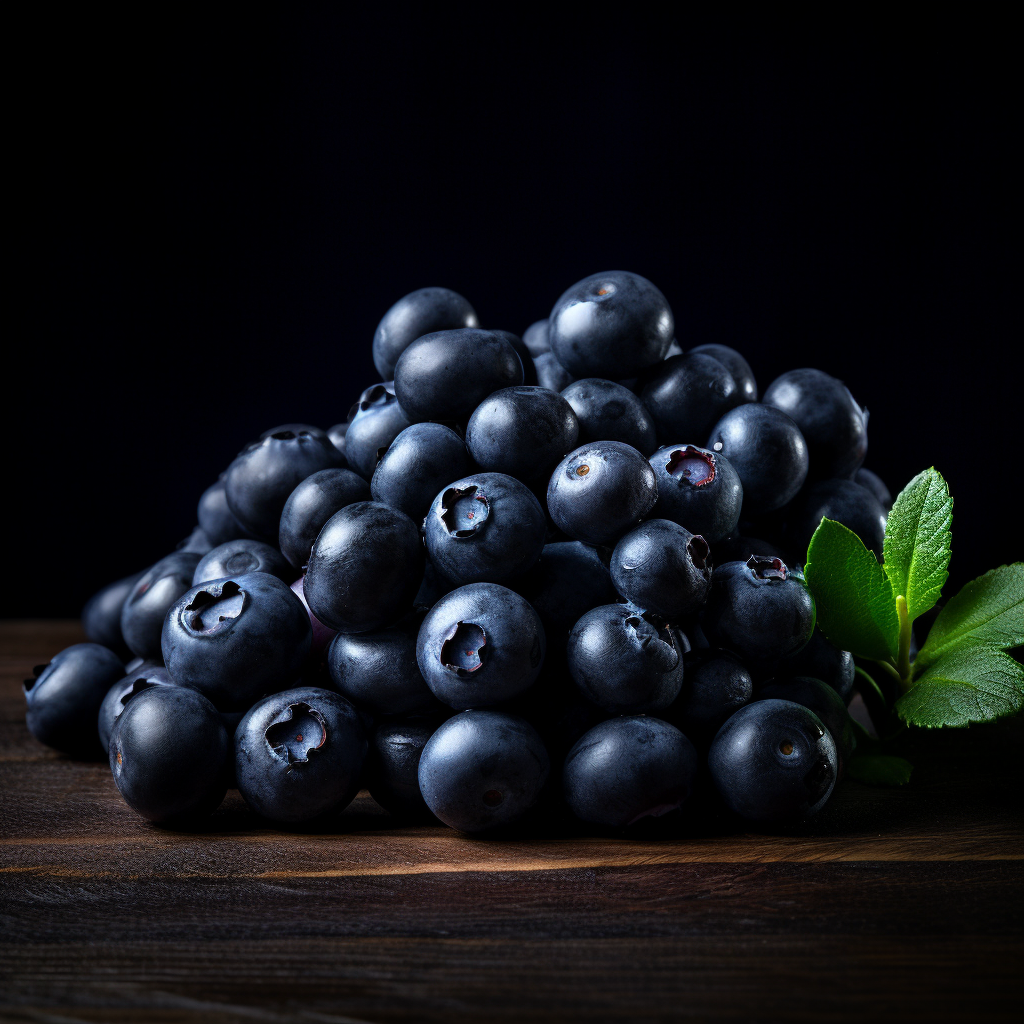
(903,659)
(890,671)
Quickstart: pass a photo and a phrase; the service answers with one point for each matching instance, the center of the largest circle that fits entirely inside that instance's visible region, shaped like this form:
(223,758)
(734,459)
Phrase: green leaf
(856,607)
(879,769)
(988,611)
(971,684)
(917,539)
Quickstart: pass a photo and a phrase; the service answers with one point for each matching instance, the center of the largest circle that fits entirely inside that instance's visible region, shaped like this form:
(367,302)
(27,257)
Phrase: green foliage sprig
(963,674)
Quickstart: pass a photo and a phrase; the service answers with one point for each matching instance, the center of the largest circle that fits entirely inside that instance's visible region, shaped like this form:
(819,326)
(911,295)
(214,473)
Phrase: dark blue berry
(607,411)
(309,507)
(735,364)
(143,612)
(820,698)
(101,616)
(535,338)
(146,675)
(842,500)
(697,489)
(216,519)
(376,420)
(551,374)
(687,395)
(874,483)
(715,686)
(820,660)
(237,557)
(392,766)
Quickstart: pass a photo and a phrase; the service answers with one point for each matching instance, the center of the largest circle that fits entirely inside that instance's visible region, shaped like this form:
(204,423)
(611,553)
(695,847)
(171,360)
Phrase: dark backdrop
(216,216)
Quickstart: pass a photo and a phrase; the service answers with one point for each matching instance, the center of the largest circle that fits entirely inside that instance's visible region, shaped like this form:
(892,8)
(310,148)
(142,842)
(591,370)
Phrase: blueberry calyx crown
(215,608)
(288,435)
(296,736)
(699,551)
(37,671)
(693,465)
(464,510)
(464,649)
(764,567)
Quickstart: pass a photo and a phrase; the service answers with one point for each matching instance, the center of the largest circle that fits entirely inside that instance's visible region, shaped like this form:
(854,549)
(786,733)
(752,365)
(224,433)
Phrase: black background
(215,217)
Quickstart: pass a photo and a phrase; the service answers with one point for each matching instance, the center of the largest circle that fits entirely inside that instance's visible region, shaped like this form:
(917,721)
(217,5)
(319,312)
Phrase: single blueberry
(768,452)
(715,686)
(774,761)
(735,364)
(522,431)
(299,754)
(481,644)
(874,483)
(820,660)
(484,527)
(551,374)
(392,766)
(600,491)
(168,754)
(216,519)
(364,569)
(420,312)
(820,698)
(525,356)
(64,696)
(375,421)
(697,489)
(377,671)
(336,435)
(611,325)
(842,500)
(663,568)
(144,610)
(446,375)
(758,609)
(237,639)
(482,769)
(101,616)
(197,541)
(241,556)
(627,769)
(567,581)
(535,338)
(607,411)
(687,395)
(625,662)
(309,507)
(834,425)
(146,675)
(258,482)
(422,460)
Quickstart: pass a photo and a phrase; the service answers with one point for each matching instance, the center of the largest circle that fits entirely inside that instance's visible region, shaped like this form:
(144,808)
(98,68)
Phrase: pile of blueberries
(527,579)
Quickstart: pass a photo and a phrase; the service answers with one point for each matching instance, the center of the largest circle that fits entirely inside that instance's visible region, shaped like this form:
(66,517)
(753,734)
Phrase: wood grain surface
(899,904)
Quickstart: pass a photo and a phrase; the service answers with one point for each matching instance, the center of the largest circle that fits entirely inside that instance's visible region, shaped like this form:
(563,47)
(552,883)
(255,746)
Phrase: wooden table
(896,904)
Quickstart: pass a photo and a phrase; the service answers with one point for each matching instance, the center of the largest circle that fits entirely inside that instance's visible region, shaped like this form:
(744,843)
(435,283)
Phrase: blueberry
(392,766)
(364,569)
(663,568)
(378,673)
(687,395)
(735,364)
(874,483)
(236,639)
(625,662)
(336,435)
(551,374)
(147,675)
(258,482)
(309,507)
(600,491)
(445,376)
(758,609)
(101,616)
(168,753)
(197,541)
(774,761)
(820,660)
(522,431)
(322,635)
(610,325)
(715,686)
(376,420)
(484,527)
(842,500)
(241,556)
(64,696)
(820,698)
(627,769)
(299,754)
(422,460)
(697,489)
(525,357)
(482,769)
(216,519)
(481,644)
(143,612)
(567,581)
(768,452)
(296,428)
(835,426)
(607,411)
(420,312)
(535,338)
